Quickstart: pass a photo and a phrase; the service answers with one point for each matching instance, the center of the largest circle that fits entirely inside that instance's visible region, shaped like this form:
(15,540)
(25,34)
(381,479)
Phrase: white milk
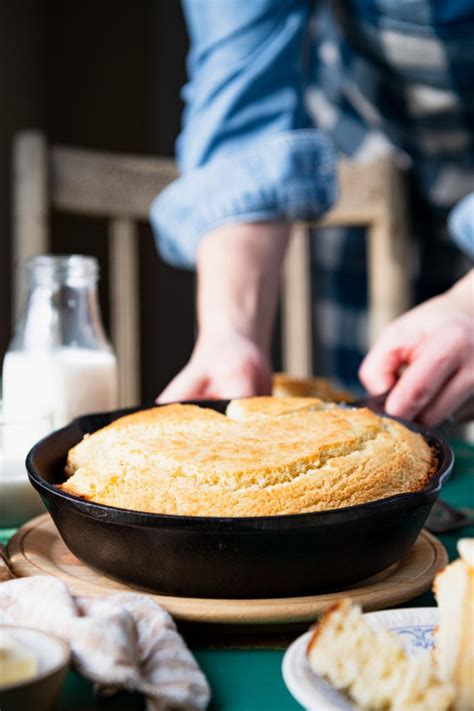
(66,382)
(43,390)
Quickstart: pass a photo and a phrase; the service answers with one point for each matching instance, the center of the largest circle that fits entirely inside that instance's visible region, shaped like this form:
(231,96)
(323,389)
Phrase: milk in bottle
(60,361)
(59,365)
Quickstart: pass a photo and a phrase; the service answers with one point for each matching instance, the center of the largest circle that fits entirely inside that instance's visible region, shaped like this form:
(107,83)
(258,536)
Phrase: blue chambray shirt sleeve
(246,151)
(461,224)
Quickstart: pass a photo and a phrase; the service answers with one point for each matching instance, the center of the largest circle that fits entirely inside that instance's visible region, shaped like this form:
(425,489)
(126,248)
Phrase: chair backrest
(121,188)
(372,195)
(117,187)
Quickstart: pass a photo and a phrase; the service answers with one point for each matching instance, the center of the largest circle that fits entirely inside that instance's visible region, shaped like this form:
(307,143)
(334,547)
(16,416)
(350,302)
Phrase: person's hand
(426,359)
(238,283)
(230,367)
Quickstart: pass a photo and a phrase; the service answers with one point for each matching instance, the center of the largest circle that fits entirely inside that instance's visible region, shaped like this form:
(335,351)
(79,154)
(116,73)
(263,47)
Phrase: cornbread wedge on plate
(394,660)
(454,591)
(372,666)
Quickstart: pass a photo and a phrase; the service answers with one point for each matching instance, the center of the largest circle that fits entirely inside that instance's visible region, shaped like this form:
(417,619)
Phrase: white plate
(414,625)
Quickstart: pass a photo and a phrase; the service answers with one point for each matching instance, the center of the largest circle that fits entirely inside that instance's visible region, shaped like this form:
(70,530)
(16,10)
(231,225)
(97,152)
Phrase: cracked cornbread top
(267,456)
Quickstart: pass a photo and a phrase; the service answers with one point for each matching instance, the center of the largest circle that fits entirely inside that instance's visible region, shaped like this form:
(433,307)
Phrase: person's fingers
(232,386)
(379,369)
(457,391)
(433,363)
(187,385)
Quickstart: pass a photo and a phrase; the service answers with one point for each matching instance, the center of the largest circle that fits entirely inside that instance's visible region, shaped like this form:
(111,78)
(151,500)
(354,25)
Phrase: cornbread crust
(139,426)
(263,408)
(284,385)
(186,460)
(323,622)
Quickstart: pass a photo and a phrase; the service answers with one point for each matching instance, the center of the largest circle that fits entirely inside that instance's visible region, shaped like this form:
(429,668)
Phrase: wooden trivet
(38,549)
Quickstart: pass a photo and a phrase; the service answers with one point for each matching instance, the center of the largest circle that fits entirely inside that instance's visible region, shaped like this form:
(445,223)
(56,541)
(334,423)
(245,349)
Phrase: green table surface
(250,679)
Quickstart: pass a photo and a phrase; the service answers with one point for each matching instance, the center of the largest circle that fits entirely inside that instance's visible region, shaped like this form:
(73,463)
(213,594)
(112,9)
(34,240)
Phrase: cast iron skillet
(272,556)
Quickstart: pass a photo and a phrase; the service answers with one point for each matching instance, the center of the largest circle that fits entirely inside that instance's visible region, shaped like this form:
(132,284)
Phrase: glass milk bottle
(60,360)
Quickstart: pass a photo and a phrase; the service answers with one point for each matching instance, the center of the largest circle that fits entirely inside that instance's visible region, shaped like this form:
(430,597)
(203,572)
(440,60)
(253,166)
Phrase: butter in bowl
(33,665)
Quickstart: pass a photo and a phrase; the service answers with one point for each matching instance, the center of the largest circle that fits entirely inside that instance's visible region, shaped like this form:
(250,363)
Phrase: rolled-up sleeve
(246,151)
(461,224)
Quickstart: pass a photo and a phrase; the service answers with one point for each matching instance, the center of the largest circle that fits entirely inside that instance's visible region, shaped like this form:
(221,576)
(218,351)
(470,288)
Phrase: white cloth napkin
(121,642)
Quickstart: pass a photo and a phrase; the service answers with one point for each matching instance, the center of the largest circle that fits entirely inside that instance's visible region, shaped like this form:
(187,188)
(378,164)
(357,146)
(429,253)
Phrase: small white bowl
(41,691)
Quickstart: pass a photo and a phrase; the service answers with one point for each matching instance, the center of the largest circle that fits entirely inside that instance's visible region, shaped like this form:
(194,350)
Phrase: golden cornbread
(265,407)
(187,460)
(287,385)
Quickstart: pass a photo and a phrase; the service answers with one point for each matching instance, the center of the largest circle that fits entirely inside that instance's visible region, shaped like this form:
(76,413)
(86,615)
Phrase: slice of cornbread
(183,459)
(454,590)
(284,385)
(372,666)
(262,408)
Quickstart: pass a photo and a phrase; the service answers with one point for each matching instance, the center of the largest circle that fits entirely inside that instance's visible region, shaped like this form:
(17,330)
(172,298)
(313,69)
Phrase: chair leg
(125,308)
(296,305)
(30,207)
(389,256)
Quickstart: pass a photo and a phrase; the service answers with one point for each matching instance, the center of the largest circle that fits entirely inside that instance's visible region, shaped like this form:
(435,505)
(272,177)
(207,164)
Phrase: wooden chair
(121,188)
(117,187)
(371,195)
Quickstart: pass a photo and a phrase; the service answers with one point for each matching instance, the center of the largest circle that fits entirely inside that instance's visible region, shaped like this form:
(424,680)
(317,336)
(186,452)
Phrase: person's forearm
(238,280)
(462,293)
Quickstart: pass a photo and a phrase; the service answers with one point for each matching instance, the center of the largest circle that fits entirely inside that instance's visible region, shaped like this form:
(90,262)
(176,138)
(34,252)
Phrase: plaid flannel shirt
(278,89)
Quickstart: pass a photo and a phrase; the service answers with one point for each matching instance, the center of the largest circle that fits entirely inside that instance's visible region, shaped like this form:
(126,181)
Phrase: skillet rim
(119,516)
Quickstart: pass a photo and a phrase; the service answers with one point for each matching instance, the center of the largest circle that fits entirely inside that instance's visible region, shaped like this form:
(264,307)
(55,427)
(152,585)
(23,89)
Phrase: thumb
(379,369)
(187,385)
(234,385)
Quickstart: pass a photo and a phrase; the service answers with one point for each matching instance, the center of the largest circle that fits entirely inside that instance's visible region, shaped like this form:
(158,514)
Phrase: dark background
(103,75)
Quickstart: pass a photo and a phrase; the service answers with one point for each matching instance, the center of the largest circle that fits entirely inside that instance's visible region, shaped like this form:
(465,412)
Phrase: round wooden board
(38,549)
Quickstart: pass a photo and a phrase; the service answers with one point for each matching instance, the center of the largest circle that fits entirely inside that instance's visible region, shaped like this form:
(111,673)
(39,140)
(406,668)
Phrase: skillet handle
(373,402)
